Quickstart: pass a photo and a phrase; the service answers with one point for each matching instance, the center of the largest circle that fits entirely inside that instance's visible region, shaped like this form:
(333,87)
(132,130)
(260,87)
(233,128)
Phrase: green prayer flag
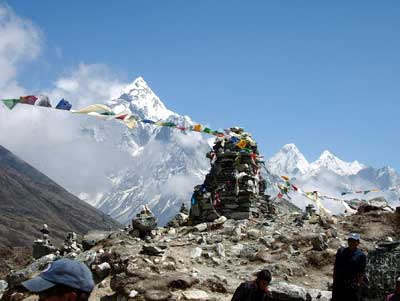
(207,130)
(170,124)
(11,103)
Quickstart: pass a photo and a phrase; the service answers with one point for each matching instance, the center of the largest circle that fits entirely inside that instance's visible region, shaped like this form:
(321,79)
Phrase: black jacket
(248,291)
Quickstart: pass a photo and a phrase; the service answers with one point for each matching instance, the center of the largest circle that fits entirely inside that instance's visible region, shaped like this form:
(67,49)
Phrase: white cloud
(87,84)
(20,42)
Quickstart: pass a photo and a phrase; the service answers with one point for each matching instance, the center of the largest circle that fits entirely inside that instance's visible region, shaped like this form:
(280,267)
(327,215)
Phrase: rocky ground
(208,261)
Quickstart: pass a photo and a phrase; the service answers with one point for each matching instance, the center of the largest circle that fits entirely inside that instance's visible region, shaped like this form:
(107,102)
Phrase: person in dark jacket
(396,295)
(349,271)
(256,290)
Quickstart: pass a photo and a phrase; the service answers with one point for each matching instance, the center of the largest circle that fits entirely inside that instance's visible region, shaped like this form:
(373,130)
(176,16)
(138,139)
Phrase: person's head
(263,279)
(353,240)
(398,285)
(62,280)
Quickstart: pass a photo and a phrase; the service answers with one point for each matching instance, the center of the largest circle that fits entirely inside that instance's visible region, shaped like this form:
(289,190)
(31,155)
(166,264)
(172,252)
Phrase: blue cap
(354,236)
(71,273)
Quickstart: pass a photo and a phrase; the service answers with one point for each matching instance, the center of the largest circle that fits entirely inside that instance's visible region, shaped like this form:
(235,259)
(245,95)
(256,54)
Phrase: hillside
(28,199)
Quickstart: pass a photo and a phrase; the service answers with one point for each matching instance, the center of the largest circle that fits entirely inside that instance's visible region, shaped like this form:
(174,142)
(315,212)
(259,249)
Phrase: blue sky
(322,75)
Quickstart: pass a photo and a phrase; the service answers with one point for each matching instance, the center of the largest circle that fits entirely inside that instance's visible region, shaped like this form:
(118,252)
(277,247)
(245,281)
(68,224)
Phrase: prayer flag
(11,103)
(29,100)
(129,121)
(197,128)
(63,105)
(207,130)
(43,102)
(147,121)
(285,178)
(242,143)
(96,108)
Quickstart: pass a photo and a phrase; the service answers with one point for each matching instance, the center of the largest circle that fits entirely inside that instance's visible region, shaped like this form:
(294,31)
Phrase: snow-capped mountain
(332,176)
(331,162)
(166,163)
(289,160)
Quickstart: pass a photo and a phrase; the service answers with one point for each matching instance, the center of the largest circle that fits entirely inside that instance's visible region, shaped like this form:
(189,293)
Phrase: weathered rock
(155,295)
(16,278)
(200,227)
(102,270)
(220,249)
(319,242)
(92,238)
(253,233)
(3,286)
(320,295)
(236,249)
(41,248)
(196,252)
(249,252)
(288,292)
(195,295)
(152,250)
(87,257)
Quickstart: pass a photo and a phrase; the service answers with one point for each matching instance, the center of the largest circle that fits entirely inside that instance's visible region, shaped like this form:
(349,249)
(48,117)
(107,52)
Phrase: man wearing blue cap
(61,280)
(349,271)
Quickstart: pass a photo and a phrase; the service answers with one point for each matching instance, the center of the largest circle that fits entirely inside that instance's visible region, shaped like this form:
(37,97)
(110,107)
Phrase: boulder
(195,295)
(16,278)
(288,292)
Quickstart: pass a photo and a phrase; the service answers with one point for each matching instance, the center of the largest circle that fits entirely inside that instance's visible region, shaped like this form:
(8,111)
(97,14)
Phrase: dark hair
(264,275)
(59,290)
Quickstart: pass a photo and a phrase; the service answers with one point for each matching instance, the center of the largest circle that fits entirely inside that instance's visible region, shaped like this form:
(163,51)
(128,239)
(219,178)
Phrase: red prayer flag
(29,99)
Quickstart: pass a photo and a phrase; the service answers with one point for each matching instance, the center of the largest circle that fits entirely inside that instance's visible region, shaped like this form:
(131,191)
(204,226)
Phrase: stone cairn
(42,247)
(234,185)
(143,223)
(70,244)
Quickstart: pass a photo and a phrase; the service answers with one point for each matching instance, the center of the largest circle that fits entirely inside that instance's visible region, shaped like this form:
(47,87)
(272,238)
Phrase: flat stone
(220,249)
(195,295)
(3,286)
(155,295)
(196,252)
(201,227)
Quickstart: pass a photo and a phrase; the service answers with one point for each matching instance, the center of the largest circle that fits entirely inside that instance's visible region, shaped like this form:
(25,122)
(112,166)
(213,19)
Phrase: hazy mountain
(28,199)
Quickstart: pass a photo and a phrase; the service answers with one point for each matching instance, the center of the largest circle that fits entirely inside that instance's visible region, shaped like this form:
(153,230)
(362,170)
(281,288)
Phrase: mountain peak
(289,160)
(327,155)
(290,147)
(329,161)
(144,102)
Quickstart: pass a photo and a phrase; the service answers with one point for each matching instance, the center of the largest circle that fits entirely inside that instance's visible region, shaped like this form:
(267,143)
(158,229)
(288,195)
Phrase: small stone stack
(42,247)
(234,184)
(144,222)
(70,244)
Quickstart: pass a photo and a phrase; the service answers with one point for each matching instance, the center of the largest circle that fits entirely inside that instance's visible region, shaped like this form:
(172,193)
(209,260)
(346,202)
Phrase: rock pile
(234,184)
(144,223)
(43,246)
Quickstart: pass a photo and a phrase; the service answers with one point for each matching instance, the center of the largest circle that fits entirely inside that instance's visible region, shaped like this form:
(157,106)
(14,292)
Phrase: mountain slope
(28,199)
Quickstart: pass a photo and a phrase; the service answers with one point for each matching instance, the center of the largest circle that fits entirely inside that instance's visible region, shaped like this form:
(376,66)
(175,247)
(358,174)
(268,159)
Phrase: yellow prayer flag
(197,128)
(242,143)
(96,108)
(285,178)
(130,122)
